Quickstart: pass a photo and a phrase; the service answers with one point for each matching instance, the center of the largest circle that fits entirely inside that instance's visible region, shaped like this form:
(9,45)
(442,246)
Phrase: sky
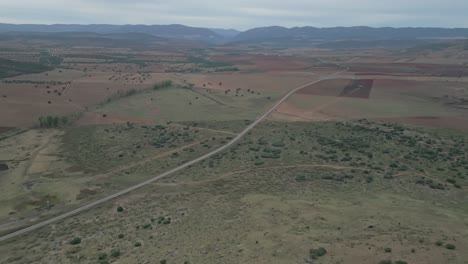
(240,14)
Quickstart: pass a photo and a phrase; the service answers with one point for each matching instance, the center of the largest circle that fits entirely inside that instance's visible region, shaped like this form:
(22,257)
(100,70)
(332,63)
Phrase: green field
(181,104)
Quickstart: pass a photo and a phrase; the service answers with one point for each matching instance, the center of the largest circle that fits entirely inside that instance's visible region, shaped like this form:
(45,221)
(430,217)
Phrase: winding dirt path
(167,173)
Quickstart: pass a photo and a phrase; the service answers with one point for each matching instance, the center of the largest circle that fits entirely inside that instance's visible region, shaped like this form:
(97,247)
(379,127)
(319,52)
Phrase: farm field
(379,99)
(367,165)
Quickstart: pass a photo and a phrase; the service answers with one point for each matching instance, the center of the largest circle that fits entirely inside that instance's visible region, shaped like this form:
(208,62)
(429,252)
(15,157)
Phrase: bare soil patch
(410,69)
(326,87)
(358,89)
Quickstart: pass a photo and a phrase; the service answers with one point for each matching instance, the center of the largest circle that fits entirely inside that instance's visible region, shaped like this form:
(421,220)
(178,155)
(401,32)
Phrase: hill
(339,33)
(166,31)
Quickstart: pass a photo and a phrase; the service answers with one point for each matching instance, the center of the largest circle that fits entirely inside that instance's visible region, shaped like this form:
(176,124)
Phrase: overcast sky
(240,14)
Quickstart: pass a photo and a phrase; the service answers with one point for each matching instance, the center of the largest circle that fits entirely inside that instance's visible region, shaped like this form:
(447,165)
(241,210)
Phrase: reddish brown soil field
(410,69)
(326,87)
(432,121)
(266,63)
(341,88)
(358,89)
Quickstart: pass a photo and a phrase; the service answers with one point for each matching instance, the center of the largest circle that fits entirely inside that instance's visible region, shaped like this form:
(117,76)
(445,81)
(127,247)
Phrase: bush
(162,261)
(115,253)
(450,246)
(75,241)
(52,121)
(317,252)
(121,236)
(120,209)
(385,262)
(301,178)
(102,256)
(401,262)
(452,181)
(439,243)
(137,244)
(163,84)
(388,250)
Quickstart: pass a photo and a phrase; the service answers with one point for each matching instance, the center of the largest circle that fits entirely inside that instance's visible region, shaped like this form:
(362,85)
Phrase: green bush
(301,178)
(115,253)
(450,246)
(52,121)
(385,262)
(162,261)
(120,209)
(75,241)
(401,262)
(439,243)
(137,244)
(388,250)
(102,256)
(315,253)
(163,84)
(121,236)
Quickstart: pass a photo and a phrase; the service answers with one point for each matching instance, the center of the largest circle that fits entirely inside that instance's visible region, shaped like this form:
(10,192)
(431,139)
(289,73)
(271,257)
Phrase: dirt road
(183,166)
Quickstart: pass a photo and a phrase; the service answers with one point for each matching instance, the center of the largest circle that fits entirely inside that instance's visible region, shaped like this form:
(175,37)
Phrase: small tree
(75,241)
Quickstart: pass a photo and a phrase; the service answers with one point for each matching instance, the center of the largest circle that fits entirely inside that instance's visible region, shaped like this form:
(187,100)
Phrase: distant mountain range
(358,33)
(280,36)
(165,31)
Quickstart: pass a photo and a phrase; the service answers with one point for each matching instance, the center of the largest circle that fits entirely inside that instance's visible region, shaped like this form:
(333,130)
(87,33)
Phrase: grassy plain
(356,189)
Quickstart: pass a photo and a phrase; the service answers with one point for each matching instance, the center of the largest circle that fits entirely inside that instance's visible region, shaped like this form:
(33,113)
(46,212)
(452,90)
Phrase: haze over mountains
(276,35)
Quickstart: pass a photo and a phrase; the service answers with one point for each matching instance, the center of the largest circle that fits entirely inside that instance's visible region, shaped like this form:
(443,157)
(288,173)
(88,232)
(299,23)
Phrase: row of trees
(163,84)
(52,121)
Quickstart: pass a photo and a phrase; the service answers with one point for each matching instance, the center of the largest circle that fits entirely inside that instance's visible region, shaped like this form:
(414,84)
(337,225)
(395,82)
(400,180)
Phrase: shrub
(450,246)
(75,241)
(439,243)
(317,252)
(137,244)
(301,178)
(120,236)
(115,253)
(52,121)
(120,209)
(401,262)
(452,181)
(385,262)
(102,256)
(388,250)
(163,84)
(162,261)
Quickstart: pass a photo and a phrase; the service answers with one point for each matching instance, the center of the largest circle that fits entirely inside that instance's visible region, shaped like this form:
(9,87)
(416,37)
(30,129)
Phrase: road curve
(165,174)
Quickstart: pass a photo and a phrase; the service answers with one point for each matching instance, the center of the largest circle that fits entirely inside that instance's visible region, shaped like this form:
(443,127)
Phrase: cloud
(240,14)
